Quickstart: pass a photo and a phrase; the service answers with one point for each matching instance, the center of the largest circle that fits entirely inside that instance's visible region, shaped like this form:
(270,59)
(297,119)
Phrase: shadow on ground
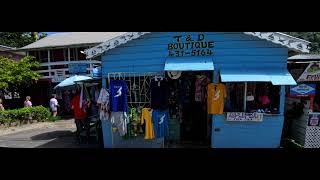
(62,139)
(53,135)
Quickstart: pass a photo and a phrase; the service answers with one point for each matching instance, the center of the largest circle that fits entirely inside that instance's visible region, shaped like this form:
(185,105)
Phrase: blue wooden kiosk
(234,57)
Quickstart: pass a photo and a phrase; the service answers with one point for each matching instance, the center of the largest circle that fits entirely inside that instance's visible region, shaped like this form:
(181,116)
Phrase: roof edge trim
(290,42)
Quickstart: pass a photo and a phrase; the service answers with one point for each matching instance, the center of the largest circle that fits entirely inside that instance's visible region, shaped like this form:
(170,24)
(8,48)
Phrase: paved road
(60,135)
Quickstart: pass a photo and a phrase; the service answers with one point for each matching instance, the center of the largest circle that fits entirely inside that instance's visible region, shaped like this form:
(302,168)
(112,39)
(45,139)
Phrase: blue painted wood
(216,76)
(107,136)
(233,51)
(104,83)
(237,50)
(266,134)
(189,64)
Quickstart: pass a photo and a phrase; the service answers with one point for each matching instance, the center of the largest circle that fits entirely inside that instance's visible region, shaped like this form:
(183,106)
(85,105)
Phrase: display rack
(138,96)
(138,86)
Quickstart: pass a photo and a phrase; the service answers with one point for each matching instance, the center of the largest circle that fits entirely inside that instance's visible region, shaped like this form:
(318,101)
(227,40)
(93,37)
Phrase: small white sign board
(244,117)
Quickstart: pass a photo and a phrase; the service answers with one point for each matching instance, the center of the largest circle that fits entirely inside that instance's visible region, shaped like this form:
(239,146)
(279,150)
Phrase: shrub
(23,115)
(53,119)
(40,113)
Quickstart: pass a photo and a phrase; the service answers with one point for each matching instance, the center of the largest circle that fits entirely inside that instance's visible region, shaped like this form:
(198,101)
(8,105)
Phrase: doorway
(190,124)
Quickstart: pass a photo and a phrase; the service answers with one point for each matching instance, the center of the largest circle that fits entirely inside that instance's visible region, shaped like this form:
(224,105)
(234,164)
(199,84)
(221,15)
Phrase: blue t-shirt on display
(160,123)
(118,95)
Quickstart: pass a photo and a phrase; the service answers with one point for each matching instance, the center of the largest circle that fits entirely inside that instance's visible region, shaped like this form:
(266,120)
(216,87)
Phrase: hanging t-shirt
(118,95)
(120,121)
(103,100)
(159,94)
(264,100)
(146,118)
(186,86)
(160,123)
(79,113)
(216,95)
(200,88)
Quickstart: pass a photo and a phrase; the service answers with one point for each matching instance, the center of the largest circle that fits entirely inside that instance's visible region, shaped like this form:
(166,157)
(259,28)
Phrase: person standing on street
(27,102)
(1,105)
(54,105)
(80,117)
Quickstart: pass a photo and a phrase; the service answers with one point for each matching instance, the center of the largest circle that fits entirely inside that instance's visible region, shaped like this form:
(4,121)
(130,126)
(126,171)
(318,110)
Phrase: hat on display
(174,74)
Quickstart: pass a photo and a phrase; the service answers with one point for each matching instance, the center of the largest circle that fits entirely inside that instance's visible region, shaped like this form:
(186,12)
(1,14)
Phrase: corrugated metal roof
(11,50)
(72,39)
(6,47)
(304,57)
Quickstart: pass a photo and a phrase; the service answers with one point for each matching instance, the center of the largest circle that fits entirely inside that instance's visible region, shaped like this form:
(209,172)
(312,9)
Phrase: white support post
(68,61)
(69,54)
(90,66)
(49,65)
(245,96)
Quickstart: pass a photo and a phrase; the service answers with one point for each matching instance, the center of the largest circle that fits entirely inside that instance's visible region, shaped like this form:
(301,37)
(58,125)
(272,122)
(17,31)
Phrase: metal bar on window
(139,84)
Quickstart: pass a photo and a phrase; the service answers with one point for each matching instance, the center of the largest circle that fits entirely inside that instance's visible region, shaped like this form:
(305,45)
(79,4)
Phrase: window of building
(65,54)
(57,55)
(43,56)
(59,66)
(81,56)
(252,97)
(35,54)
(44,74)
(43,68)
(72,54)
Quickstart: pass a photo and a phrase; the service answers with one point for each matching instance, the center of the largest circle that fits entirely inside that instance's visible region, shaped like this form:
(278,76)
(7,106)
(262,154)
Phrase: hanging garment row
(131,122)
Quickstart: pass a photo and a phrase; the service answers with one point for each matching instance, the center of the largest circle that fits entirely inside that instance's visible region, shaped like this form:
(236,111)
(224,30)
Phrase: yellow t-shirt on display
(216,95)
(146,118)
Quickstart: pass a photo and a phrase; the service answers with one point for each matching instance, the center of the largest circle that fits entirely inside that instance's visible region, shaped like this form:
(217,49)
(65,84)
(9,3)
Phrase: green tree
(19,39)
(17,74)
(313,37)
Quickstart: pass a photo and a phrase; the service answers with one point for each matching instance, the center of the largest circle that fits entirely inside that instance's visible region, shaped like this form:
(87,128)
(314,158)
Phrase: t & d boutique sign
(191,45)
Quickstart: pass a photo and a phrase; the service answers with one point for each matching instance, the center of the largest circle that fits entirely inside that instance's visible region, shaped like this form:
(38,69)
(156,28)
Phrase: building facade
(57,53)
(8,52)
(250,65)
